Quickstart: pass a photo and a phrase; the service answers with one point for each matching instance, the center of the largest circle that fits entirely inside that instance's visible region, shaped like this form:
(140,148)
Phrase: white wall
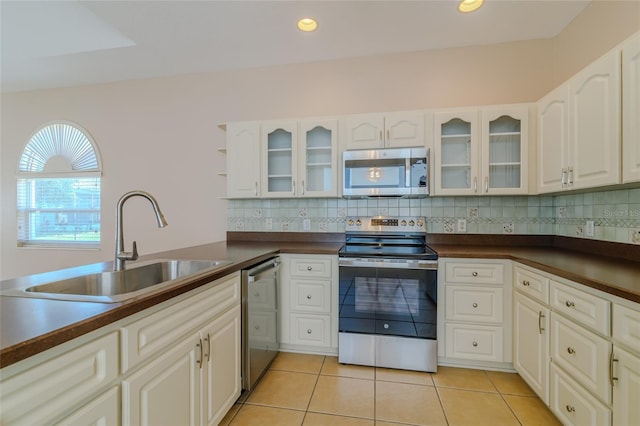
(160,135)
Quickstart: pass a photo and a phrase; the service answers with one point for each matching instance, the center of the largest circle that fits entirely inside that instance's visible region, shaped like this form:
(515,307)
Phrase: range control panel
(386,224)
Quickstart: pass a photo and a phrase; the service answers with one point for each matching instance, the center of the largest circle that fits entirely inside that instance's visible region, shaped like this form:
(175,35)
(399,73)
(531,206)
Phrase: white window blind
(58,189)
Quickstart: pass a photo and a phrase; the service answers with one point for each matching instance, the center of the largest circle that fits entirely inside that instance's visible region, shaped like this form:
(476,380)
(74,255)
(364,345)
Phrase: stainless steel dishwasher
(260,336)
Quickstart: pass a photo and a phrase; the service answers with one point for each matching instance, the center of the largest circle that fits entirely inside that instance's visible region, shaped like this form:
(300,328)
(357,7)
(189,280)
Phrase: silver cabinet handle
(475,305)
(293,187)
(199,347)
(486,184)
(207,341)
(570,304)
(570,178)
(388,136)
(475,274)
(380,138)
(475,184)
(302,188)
(612,359)
(526,283)
(570,350)
(563,178)
(570,408)
(540,317)
(256,188)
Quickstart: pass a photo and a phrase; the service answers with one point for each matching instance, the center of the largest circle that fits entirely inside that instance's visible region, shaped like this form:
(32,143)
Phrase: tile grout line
(503,399)
(315,385)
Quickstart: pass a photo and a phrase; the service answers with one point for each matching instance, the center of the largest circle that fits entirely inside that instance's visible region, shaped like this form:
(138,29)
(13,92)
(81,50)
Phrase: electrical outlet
(462,225)
(306,225)
(635,235)
(268,224)
(448,227)
(590,228)
(508,228)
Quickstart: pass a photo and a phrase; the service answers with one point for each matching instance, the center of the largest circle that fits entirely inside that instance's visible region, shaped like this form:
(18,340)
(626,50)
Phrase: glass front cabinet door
(481,152)
(318,167)
(279,156)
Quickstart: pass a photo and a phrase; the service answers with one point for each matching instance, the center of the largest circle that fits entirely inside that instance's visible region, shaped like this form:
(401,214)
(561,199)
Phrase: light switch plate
(462,225)
(306,225)
(590,228)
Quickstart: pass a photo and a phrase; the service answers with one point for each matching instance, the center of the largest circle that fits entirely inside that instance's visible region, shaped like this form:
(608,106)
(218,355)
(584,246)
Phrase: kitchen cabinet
(279,159)
(309,301)
(188,357)
(55,387)
(631,109)
(579,129)
(103,410)
(243,160)
(474,306)
(388,130)
(625,365)
(481,151)
(318,158)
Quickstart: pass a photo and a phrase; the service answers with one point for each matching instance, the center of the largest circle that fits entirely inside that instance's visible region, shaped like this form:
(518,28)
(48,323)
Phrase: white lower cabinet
(309,303)
(103,410)
(474,313)
(625,365)
(51,389)
(531,343)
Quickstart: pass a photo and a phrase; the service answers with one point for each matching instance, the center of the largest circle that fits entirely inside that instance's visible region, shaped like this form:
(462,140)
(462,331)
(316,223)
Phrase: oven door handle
(387,263)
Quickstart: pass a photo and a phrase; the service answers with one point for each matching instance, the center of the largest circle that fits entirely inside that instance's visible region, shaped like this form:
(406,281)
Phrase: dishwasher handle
(270,266)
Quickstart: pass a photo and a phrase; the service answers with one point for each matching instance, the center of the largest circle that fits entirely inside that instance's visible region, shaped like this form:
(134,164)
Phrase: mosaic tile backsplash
(608,215)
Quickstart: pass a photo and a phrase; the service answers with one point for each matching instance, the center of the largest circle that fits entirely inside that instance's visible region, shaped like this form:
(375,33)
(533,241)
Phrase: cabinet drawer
(626,326)
(311,295)
(472,303)
(572,405)
(581,307)
(582,354)
(311,330)
(307,267)
(481,343)
(532,284)
(47,390)
(474,273)
(149,335)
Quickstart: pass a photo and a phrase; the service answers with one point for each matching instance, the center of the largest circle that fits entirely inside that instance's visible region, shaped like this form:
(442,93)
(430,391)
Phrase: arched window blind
(58,188)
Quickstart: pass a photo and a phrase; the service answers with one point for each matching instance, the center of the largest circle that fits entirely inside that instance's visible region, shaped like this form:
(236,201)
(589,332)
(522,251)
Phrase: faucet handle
(134,253)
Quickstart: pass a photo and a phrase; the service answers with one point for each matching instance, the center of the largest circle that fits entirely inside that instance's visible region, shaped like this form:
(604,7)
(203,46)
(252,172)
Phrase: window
(59,189)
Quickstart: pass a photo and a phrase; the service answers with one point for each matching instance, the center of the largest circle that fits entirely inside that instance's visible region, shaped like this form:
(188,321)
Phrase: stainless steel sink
(117,286)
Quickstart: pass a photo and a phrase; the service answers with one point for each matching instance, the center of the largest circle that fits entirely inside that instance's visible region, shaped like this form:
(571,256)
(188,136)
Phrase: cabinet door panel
(474,303)
(279,142)
(534,285)
(243,160)
(631,110)
(626,410)
(404,129)
(476,342)
(365,131)
(553,140)
(318,162)
(102,411)
(222,385)
(595,124)
(166,390)
(531,344)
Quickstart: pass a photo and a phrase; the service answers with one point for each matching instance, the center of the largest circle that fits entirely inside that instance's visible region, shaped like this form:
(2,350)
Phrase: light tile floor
(315,390)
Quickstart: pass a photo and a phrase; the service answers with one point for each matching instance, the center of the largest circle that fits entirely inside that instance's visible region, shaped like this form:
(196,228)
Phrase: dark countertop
(29,326)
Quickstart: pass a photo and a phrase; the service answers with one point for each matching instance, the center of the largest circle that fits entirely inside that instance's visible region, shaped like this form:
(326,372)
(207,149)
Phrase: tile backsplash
(615,214)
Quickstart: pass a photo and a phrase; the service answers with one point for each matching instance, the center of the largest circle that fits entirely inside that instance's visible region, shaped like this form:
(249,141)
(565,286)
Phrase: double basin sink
(117,286)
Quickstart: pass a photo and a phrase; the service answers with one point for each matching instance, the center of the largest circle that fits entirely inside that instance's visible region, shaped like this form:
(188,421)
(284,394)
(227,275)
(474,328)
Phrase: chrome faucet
(121,255)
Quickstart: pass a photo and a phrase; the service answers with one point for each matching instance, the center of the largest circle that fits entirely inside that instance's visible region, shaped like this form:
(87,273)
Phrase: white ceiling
(48,44)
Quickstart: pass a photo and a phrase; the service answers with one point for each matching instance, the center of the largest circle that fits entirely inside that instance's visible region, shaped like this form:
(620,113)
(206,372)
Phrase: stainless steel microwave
(387,172)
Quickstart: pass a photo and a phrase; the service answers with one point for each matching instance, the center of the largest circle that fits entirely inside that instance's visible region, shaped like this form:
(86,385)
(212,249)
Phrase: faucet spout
(121,255)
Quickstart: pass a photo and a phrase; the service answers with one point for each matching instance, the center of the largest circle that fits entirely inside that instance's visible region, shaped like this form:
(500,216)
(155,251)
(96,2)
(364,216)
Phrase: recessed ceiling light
(469,5)
(307,24)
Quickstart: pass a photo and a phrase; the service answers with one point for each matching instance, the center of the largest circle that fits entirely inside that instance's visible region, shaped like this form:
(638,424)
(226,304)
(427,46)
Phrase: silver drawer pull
(475,274)
(308,331)
(571,408)
(569,304)
(571,351)
(612,378)
(526,283)
(309,268)
(308,296)
(540,316)
(475,344)
(475,305)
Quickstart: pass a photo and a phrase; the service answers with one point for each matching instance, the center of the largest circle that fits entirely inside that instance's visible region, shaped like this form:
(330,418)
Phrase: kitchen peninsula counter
(29,326)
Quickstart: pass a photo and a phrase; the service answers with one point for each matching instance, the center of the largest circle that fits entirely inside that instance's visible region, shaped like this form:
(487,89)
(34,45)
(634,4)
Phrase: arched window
(59,188)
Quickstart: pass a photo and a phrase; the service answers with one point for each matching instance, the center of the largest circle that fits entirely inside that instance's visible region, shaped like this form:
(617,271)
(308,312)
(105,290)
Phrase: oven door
(383,300)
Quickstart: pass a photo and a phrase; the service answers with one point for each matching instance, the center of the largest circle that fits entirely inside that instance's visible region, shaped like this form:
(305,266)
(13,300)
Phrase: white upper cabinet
(243,160)
(392,130)
(279,158)
(594,120)
(553,140)
(318,158)
(579,129)
(631,110)
(481,151)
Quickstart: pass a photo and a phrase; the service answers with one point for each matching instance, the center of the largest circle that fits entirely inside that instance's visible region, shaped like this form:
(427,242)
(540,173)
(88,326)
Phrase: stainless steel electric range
(388,284)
